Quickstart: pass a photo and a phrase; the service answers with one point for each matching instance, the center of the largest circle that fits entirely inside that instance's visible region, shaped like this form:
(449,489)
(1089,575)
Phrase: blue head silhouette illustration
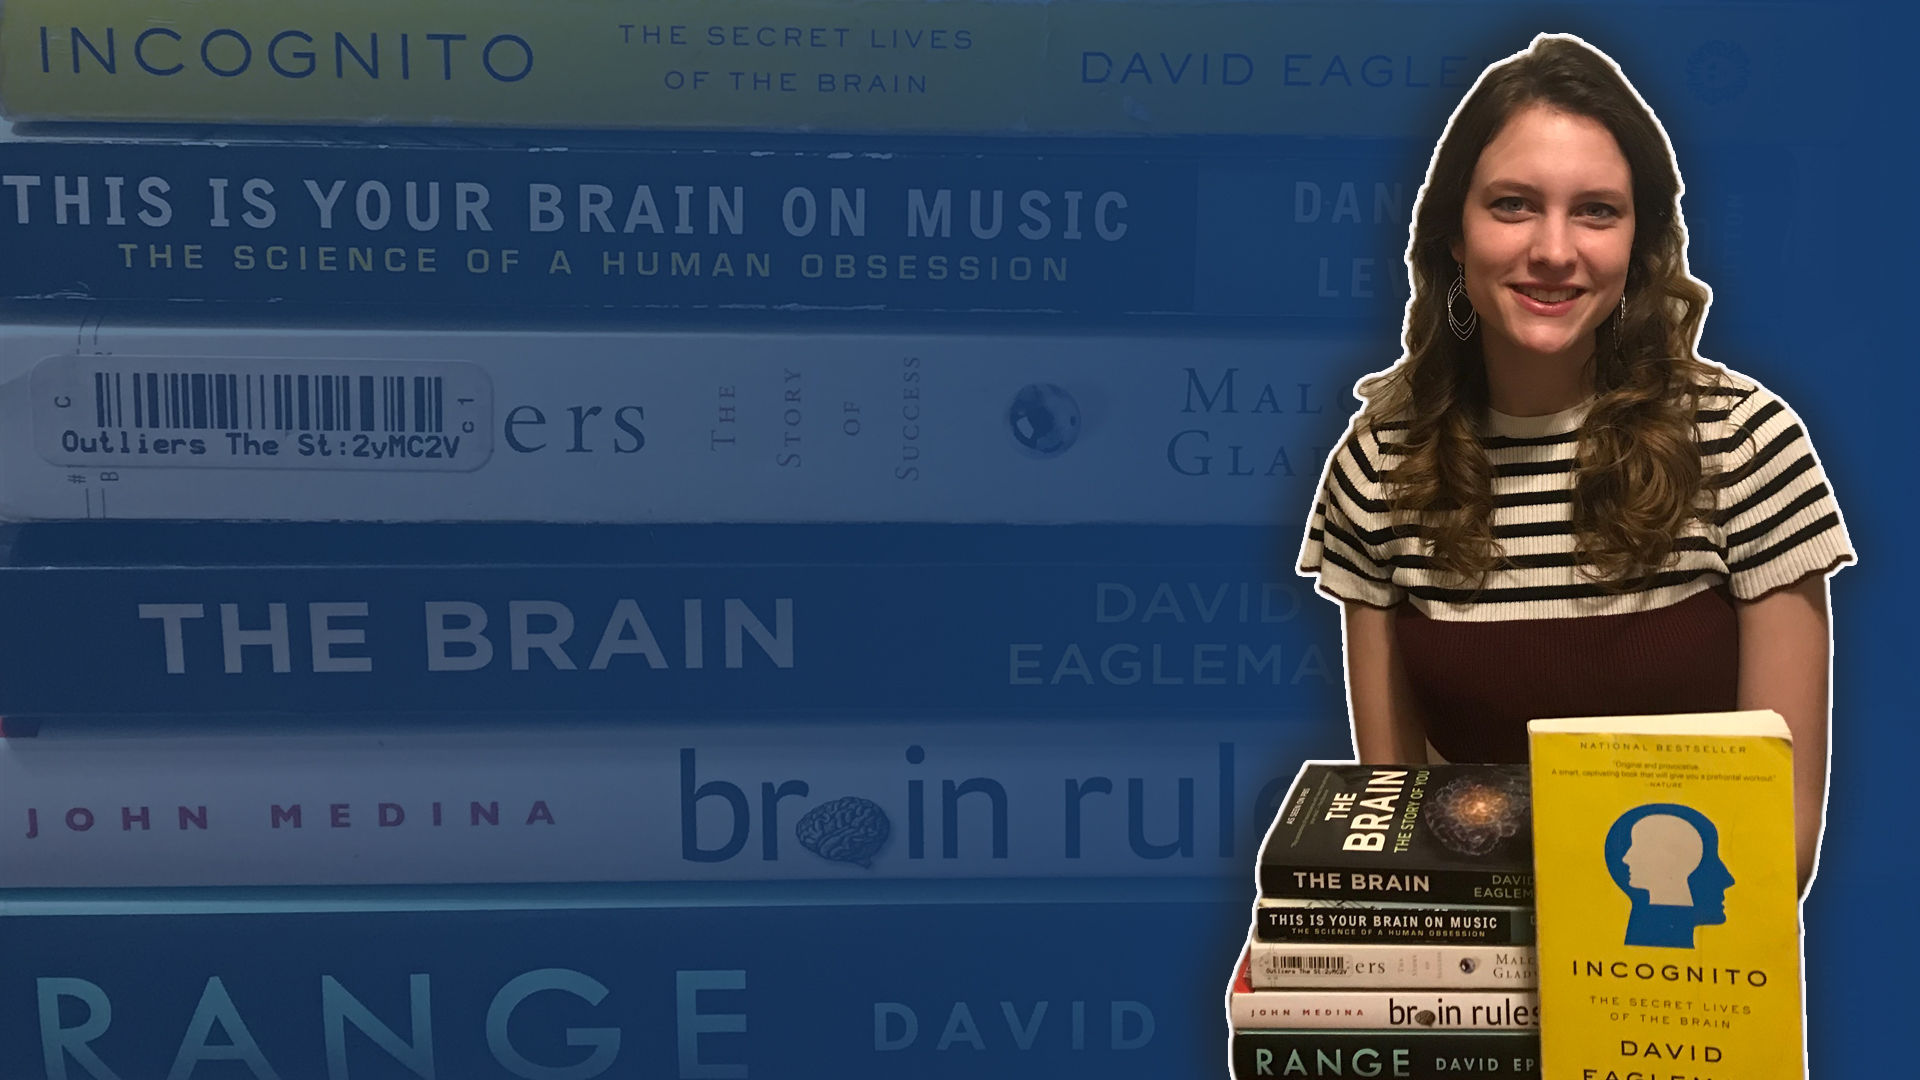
(1666,858)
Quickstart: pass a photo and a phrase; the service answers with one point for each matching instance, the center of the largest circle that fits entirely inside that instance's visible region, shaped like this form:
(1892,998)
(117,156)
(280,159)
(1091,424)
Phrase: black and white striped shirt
(1774,522)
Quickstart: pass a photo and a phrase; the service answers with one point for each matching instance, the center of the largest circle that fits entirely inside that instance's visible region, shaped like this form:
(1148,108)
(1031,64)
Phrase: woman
(1551,506)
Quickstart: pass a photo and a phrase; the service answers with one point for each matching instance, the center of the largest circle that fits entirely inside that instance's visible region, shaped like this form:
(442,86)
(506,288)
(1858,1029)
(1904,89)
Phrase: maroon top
(1478,683)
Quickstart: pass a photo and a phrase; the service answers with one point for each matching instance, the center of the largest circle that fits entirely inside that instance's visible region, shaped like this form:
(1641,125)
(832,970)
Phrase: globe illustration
(1045,419)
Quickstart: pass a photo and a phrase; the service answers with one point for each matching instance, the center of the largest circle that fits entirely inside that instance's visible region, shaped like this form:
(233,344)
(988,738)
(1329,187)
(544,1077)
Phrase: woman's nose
(1553,243)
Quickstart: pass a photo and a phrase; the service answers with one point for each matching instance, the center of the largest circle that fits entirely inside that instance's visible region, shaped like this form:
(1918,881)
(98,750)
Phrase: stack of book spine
(502,585)
(1394,929)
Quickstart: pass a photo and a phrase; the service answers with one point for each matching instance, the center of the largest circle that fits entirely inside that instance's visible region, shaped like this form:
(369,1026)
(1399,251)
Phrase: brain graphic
(1473,814)
(849,829)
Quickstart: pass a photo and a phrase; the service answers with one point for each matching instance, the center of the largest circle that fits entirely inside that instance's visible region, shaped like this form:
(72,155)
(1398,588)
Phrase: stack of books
(1394,935)
(538,538)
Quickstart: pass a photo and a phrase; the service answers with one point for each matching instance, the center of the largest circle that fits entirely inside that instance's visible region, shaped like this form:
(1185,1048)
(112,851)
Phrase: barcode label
(306,414)
(226,401)
(1307,965)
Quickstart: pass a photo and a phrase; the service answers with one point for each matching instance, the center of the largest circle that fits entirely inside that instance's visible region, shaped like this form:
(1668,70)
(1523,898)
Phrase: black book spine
(1446,886)
(1395,926)
(1410,1055)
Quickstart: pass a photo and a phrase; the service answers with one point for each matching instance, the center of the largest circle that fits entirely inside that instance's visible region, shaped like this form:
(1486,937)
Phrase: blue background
(1809,240)
(1818,340)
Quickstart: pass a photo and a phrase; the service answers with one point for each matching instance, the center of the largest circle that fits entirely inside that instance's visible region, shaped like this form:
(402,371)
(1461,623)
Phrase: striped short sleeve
(1348,534)
(1777,515)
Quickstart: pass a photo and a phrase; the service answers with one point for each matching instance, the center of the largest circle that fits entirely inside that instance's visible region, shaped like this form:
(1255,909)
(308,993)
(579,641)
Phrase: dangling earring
(1620,322)
(1462,328)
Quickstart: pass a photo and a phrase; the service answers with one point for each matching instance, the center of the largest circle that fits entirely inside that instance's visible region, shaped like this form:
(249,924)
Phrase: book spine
(965,67)
(336,425)
(653,988)
(1472,886)
(1384,1010)
(669,641)
(822,801)
(417,231)
(1385,924)
(1410,1055)
(1467,967)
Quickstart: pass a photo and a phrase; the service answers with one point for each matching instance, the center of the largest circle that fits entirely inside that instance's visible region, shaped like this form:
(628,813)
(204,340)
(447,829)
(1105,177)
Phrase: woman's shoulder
(1774,509)
(1726,387)
(1357,466)
(1737,415)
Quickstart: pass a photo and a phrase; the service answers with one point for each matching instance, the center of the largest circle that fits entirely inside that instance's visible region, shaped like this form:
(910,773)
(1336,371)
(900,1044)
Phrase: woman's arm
(1387,728)
(1785,648)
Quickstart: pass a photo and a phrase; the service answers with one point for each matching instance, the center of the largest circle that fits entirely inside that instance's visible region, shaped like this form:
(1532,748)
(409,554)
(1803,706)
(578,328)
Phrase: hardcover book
(1404,1055)
(1285,966)
(665,624)
(1362,923)
(634,983)
(433,225)
(1252,1009)
(1417,1010)
(1669,922)
(546,801)
(282,424)
(972,67)
(1447,834)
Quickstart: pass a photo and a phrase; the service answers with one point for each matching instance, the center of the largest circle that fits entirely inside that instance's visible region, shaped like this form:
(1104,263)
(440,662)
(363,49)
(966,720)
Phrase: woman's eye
(1599,210)
(1512,204)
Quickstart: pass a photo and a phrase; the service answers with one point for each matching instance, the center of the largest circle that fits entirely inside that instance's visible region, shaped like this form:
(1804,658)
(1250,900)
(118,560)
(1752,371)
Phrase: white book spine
(1469,967)
(817,801)
(1385,1010)
(416,425)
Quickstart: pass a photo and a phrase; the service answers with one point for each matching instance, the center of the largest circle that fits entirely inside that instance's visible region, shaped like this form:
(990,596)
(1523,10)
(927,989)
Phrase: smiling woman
(1551,506)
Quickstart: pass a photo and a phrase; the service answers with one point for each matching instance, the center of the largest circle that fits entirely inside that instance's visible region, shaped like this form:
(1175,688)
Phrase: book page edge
(1760,722)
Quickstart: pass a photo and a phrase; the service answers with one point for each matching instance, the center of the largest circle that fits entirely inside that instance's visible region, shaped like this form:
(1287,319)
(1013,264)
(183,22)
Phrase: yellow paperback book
(1669,930)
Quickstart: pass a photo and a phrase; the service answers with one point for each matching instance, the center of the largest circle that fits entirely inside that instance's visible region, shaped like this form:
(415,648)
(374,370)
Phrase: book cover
(1669,916)
(1408,1055)
(1381,923)
(435,226)
(1441,833)
(545,800)
(893,65)
(279,424)
(650,984)
(1288,965)
(664,624)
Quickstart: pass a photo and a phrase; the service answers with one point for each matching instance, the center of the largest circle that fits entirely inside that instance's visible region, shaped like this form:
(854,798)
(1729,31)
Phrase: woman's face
(1545,234)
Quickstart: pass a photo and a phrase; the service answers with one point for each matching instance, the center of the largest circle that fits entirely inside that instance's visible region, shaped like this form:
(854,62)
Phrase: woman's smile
(1542,300)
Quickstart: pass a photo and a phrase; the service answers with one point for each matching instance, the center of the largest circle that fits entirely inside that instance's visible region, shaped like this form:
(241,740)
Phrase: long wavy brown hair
(1638,475)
